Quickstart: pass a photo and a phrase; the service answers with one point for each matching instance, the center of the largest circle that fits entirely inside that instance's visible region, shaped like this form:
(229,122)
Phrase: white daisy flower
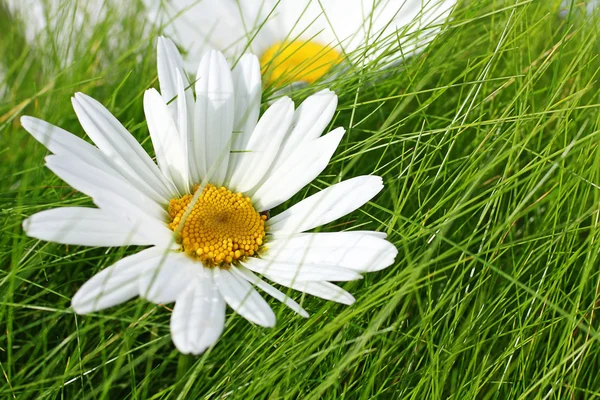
(203,208)
(301,40)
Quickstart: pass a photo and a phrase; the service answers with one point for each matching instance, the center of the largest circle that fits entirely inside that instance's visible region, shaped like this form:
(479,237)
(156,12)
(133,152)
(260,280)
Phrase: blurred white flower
(300,40)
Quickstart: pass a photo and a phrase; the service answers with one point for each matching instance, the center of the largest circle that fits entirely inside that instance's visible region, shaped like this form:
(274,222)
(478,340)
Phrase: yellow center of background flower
(287,62)
(222,227)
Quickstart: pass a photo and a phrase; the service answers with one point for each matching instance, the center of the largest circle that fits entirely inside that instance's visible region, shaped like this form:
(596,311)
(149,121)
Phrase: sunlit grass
(488,147)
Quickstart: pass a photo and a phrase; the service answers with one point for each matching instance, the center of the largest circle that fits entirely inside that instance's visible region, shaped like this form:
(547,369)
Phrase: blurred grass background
(488,146)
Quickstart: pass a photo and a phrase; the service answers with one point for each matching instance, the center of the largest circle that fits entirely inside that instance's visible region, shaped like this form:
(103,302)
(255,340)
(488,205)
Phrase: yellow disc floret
(287,62)
(221,228)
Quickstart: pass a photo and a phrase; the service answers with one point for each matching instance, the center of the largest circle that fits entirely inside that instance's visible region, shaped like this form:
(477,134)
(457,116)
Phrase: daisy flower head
(301,40)
(202,208)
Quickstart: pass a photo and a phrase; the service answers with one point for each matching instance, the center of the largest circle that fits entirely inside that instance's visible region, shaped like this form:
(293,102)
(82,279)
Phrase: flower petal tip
(78,307)
(25,120)
(348,300)
(26,224)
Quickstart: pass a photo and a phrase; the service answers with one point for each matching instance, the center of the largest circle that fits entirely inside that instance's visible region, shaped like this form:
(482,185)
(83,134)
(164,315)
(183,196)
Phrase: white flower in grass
(300,40)
(590,6)
(202,209)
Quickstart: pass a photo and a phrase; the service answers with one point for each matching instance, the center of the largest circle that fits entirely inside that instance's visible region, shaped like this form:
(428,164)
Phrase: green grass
(488,147)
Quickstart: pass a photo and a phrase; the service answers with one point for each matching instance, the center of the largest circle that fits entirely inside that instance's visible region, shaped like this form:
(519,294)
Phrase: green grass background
(488,147)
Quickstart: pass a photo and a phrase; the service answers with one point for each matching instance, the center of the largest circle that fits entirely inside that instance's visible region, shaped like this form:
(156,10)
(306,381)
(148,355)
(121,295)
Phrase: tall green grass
(488,147)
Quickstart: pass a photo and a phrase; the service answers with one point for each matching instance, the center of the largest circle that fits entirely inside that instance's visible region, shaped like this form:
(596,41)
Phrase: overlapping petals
(208,130)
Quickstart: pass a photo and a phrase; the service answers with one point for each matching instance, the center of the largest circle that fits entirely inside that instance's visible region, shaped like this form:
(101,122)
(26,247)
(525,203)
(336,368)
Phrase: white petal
(300,168)
(61,142)
(417,23)
(174,84)
(213,123)
(166,140)
(198,317)
(327,205)
(84,227)
(115,284)
(115,197)
(168,279)
(256,281)
(128,211)
(247,85)
(310,120)
(324,290)
(95,182)
(121,148)
(299,270)
(358,251)
(310,20)
(169,61)
(359,24)
(377,234)
(242,297)
(262,148)
(185,118)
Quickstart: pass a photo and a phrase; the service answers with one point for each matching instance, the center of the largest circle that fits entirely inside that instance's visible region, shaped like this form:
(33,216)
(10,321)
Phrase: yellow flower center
(222,227)
(287,62)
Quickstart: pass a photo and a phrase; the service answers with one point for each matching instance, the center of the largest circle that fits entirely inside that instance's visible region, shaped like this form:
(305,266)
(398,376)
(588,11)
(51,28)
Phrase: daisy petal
(310,120)
(242,297)
(169,61)
(184,117)
(198,317)
(164,283)
(247,85)
(61,142)
(298,170)
(95,182)
(115,197)
(270,290)
(357,251)
(263,145)
(166,140)
(327,205)
(115,284)
(324,290)
(377,234)
(124,210)
(213,123)
(299,270)
(175,85)
(84,227)
(117,144)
